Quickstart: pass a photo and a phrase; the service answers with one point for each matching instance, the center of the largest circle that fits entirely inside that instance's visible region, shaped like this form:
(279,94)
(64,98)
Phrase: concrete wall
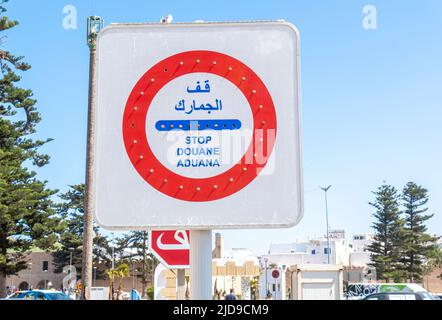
(35,274)
(432,282)
(359,259)
(317,279)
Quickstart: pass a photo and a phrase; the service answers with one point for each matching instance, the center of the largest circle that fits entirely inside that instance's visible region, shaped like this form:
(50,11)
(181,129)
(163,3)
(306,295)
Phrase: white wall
(359,259)
(317,282)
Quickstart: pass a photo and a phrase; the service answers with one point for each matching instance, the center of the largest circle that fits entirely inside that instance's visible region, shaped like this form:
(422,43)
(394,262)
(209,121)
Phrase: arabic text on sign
(199,89)
(193,106)
(180,237)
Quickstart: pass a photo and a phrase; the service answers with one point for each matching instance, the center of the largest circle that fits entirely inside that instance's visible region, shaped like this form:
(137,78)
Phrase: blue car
(42,295)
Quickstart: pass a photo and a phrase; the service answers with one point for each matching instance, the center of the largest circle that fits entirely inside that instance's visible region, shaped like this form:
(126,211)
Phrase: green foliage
(418,247)
(71,240)
(402,249)
(132,248)
(385,249)
(120,272)
(27,215)
(137,251)
(150,292)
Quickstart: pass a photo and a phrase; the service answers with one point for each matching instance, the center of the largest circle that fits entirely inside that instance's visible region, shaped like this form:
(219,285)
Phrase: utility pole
(71,252)
(30,276)
(133,274)
(181,284)
(95,276)
(145,272)
(113,251)
(326,217)
(267,283)
(95,25)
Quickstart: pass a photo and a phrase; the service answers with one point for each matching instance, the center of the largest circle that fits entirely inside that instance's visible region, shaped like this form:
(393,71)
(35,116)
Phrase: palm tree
(123,271)
(112,274)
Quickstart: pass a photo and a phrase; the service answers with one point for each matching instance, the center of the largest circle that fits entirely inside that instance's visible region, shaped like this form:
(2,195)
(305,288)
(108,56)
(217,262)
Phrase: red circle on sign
(275,274)
(205,189)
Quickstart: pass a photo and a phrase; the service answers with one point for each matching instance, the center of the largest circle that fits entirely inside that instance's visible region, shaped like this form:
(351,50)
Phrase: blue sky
(372,99)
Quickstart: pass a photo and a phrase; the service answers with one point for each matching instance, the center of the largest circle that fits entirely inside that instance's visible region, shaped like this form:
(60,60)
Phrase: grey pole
(70,256)
(113,251)
(95,24)
(326,217)
(30,276)
(181,284)
(46,279)
(133,275)
(201,265)
(95,276)
(267,283)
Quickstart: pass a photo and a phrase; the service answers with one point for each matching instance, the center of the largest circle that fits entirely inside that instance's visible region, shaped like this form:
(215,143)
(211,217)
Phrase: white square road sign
(198,126)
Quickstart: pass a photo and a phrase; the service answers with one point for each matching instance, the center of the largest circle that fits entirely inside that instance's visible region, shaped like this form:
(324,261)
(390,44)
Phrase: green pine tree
(71,240)
(419,247)
(27,215)
(385,249)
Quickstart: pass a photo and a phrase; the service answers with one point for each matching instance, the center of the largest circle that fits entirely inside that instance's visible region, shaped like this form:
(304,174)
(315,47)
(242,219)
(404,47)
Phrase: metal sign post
(181,284)
(201,265)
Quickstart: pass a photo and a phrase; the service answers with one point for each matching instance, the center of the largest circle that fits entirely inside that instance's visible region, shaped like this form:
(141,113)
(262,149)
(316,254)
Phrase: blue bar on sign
(198,125)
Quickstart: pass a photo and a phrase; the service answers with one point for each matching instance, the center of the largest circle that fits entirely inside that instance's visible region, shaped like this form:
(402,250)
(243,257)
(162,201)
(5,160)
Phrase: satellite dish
(168,19)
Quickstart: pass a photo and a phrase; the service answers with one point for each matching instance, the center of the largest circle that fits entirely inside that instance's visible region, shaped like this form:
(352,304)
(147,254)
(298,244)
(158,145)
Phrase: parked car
(358,291)
(14,295)
(42,295)
(400,296)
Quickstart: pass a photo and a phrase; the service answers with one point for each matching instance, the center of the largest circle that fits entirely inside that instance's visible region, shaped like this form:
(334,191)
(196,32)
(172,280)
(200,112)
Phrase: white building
(235,270)
(351,255)
(314,251)
(361,241)
(360,257)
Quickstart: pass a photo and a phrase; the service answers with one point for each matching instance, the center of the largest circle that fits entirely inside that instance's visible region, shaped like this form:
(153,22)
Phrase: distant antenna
(168,19)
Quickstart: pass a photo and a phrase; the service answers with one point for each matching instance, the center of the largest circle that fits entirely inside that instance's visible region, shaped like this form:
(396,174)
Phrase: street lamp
(133,277)
(46,279)
(95,276)
(325,189)
(70,256)
(94,26)
(30,275)
(267,284)
(113,251)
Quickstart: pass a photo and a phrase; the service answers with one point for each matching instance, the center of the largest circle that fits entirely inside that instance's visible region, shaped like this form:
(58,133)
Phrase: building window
(45,265)
(327,250)
(313,251)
